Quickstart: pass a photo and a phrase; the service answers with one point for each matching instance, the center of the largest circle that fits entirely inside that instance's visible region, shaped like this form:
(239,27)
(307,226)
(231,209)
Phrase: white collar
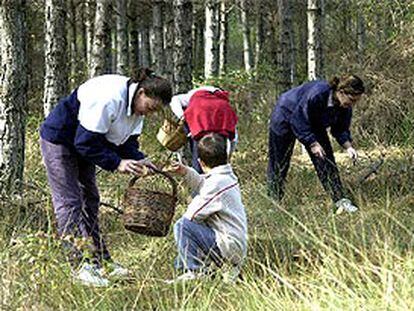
(221,169)
(131,91)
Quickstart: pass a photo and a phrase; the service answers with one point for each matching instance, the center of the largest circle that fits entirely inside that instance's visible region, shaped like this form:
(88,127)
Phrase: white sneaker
(187,276)
(113,269)
(345,205)
(89,275)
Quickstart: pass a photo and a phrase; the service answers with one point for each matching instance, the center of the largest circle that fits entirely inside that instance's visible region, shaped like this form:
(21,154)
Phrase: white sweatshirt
(218,205)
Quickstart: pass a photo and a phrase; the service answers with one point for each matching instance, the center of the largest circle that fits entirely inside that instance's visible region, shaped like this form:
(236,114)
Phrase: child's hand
(177,169)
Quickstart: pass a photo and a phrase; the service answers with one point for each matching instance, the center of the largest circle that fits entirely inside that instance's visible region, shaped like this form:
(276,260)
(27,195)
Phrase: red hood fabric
(210,112)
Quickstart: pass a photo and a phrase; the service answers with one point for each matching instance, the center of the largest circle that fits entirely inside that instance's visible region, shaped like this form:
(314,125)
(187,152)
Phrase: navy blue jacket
(304,111)
(62,127)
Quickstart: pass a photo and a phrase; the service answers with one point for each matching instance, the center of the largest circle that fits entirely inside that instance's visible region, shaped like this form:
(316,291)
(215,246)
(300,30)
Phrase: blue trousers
(280,152)
(196,245)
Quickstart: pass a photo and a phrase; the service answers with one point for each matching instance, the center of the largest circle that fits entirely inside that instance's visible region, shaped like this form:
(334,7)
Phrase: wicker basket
(172,134)
(147,211)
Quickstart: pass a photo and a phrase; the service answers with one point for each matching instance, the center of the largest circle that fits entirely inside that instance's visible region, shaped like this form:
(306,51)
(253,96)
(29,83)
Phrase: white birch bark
(89,9)
(13,94)
(55,85)
(223,40)
(100,63)
(211,36)
(314,40)
(247,49)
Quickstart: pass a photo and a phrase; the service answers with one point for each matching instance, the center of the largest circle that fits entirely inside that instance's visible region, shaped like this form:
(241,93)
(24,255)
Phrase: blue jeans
(196,244)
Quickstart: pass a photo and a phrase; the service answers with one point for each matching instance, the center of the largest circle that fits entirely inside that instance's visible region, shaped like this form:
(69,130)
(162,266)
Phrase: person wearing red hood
(206,110)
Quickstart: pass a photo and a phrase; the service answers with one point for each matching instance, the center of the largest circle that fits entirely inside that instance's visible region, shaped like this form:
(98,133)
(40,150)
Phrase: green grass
(301,256)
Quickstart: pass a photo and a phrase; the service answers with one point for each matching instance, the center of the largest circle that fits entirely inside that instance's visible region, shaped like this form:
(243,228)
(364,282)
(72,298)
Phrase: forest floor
(301,256)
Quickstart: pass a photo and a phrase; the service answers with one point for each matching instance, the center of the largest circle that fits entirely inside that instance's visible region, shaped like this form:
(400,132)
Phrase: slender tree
(183,45)
(158,39)
(247,48)
(286,52)
(224,35)
(89,12)
(211,39)
(56,76)
(121,37)
(314,40)
(145,46)
(133,38)
(169,41)
(101,48)
(13,94)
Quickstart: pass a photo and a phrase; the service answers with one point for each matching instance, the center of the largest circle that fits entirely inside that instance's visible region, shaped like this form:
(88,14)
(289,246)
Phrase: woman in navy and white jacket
(304,113)
(98,124)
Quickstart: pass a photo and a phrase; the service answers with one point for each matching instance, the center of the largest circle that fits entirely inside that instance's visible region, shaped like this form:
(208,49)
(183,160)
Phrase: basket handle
(158,171)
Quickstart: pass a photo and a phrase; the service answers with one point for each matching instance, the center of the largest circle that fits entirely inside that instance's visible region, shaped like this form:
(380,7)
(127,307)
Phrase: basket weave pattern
(172,134)
(147,211)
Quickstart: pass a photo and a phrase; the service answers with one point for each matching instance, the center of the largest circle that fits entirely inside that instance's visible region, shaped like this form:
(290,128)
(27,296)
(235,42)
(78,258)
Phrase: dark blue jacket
(62,127)
(304,111)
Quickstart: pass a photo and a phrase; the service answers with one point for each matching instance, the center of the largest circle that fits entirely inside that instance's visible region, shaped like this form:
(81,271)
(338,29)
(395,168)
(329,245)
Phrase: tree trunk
(145,47)
(13,94)
(55,54)
(89,9)
(247,50)
(260,34)
(314,40)
(102,40)
(158,42)
(169,42)
(133,39)
(211,39)
(75,69)
(286,52)
(224,34)
(183,46)
(121,38)
(361,36)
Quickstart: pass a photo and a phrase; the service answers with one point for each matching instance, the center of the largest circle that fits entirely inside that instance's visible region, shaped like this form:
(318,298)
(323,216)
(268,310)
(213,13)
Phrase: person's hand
(317,150)
(135,167)
(352,153)
(177,169)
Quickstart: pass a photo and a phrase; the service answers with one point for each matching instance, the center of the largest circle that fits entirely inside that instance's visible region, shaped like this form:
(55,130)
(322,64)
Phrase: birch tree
(223,40)
(211,39)
(102,40)
(55,85)
(158,42)
(145,46)
(121,38)
(314,40)
(247,49)
(89,10)
(133,38)
(183,45)
(13,94)
(169,41)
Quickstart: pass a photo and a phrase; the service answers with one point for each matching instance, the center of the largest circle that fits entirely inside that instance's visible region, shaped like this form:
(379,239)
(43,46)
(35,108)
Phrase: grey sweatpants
(75,196)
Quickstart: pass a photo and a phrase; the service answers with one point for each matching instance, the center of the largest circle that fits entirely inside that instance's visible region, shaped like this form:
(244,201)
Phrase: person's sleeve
(341,129)
(300,121)
(91,146)
(204,204)
(178,104)
(130,149)
(193,179)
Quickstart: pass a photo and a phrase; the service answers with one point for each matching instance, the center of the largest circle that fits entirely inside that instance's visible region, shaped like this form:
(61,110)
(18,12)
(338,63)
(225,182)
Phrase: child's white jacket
(218,205)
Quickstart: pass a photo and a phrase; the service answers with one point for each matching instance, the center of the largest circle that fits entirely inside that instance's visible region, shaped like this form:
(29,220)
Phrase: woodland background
(301,256)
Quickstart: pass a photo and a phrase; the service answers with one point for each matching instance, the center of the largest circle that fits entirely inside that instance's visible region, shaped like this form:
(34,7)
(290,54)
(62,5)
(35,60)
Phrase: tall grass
(301,256)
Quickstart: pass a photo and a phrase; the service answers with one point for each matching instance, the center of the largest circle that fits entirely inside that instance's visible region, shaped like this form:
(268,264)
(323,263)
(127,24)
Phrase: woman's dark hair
(154,86)
(212,150)
(349,84)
